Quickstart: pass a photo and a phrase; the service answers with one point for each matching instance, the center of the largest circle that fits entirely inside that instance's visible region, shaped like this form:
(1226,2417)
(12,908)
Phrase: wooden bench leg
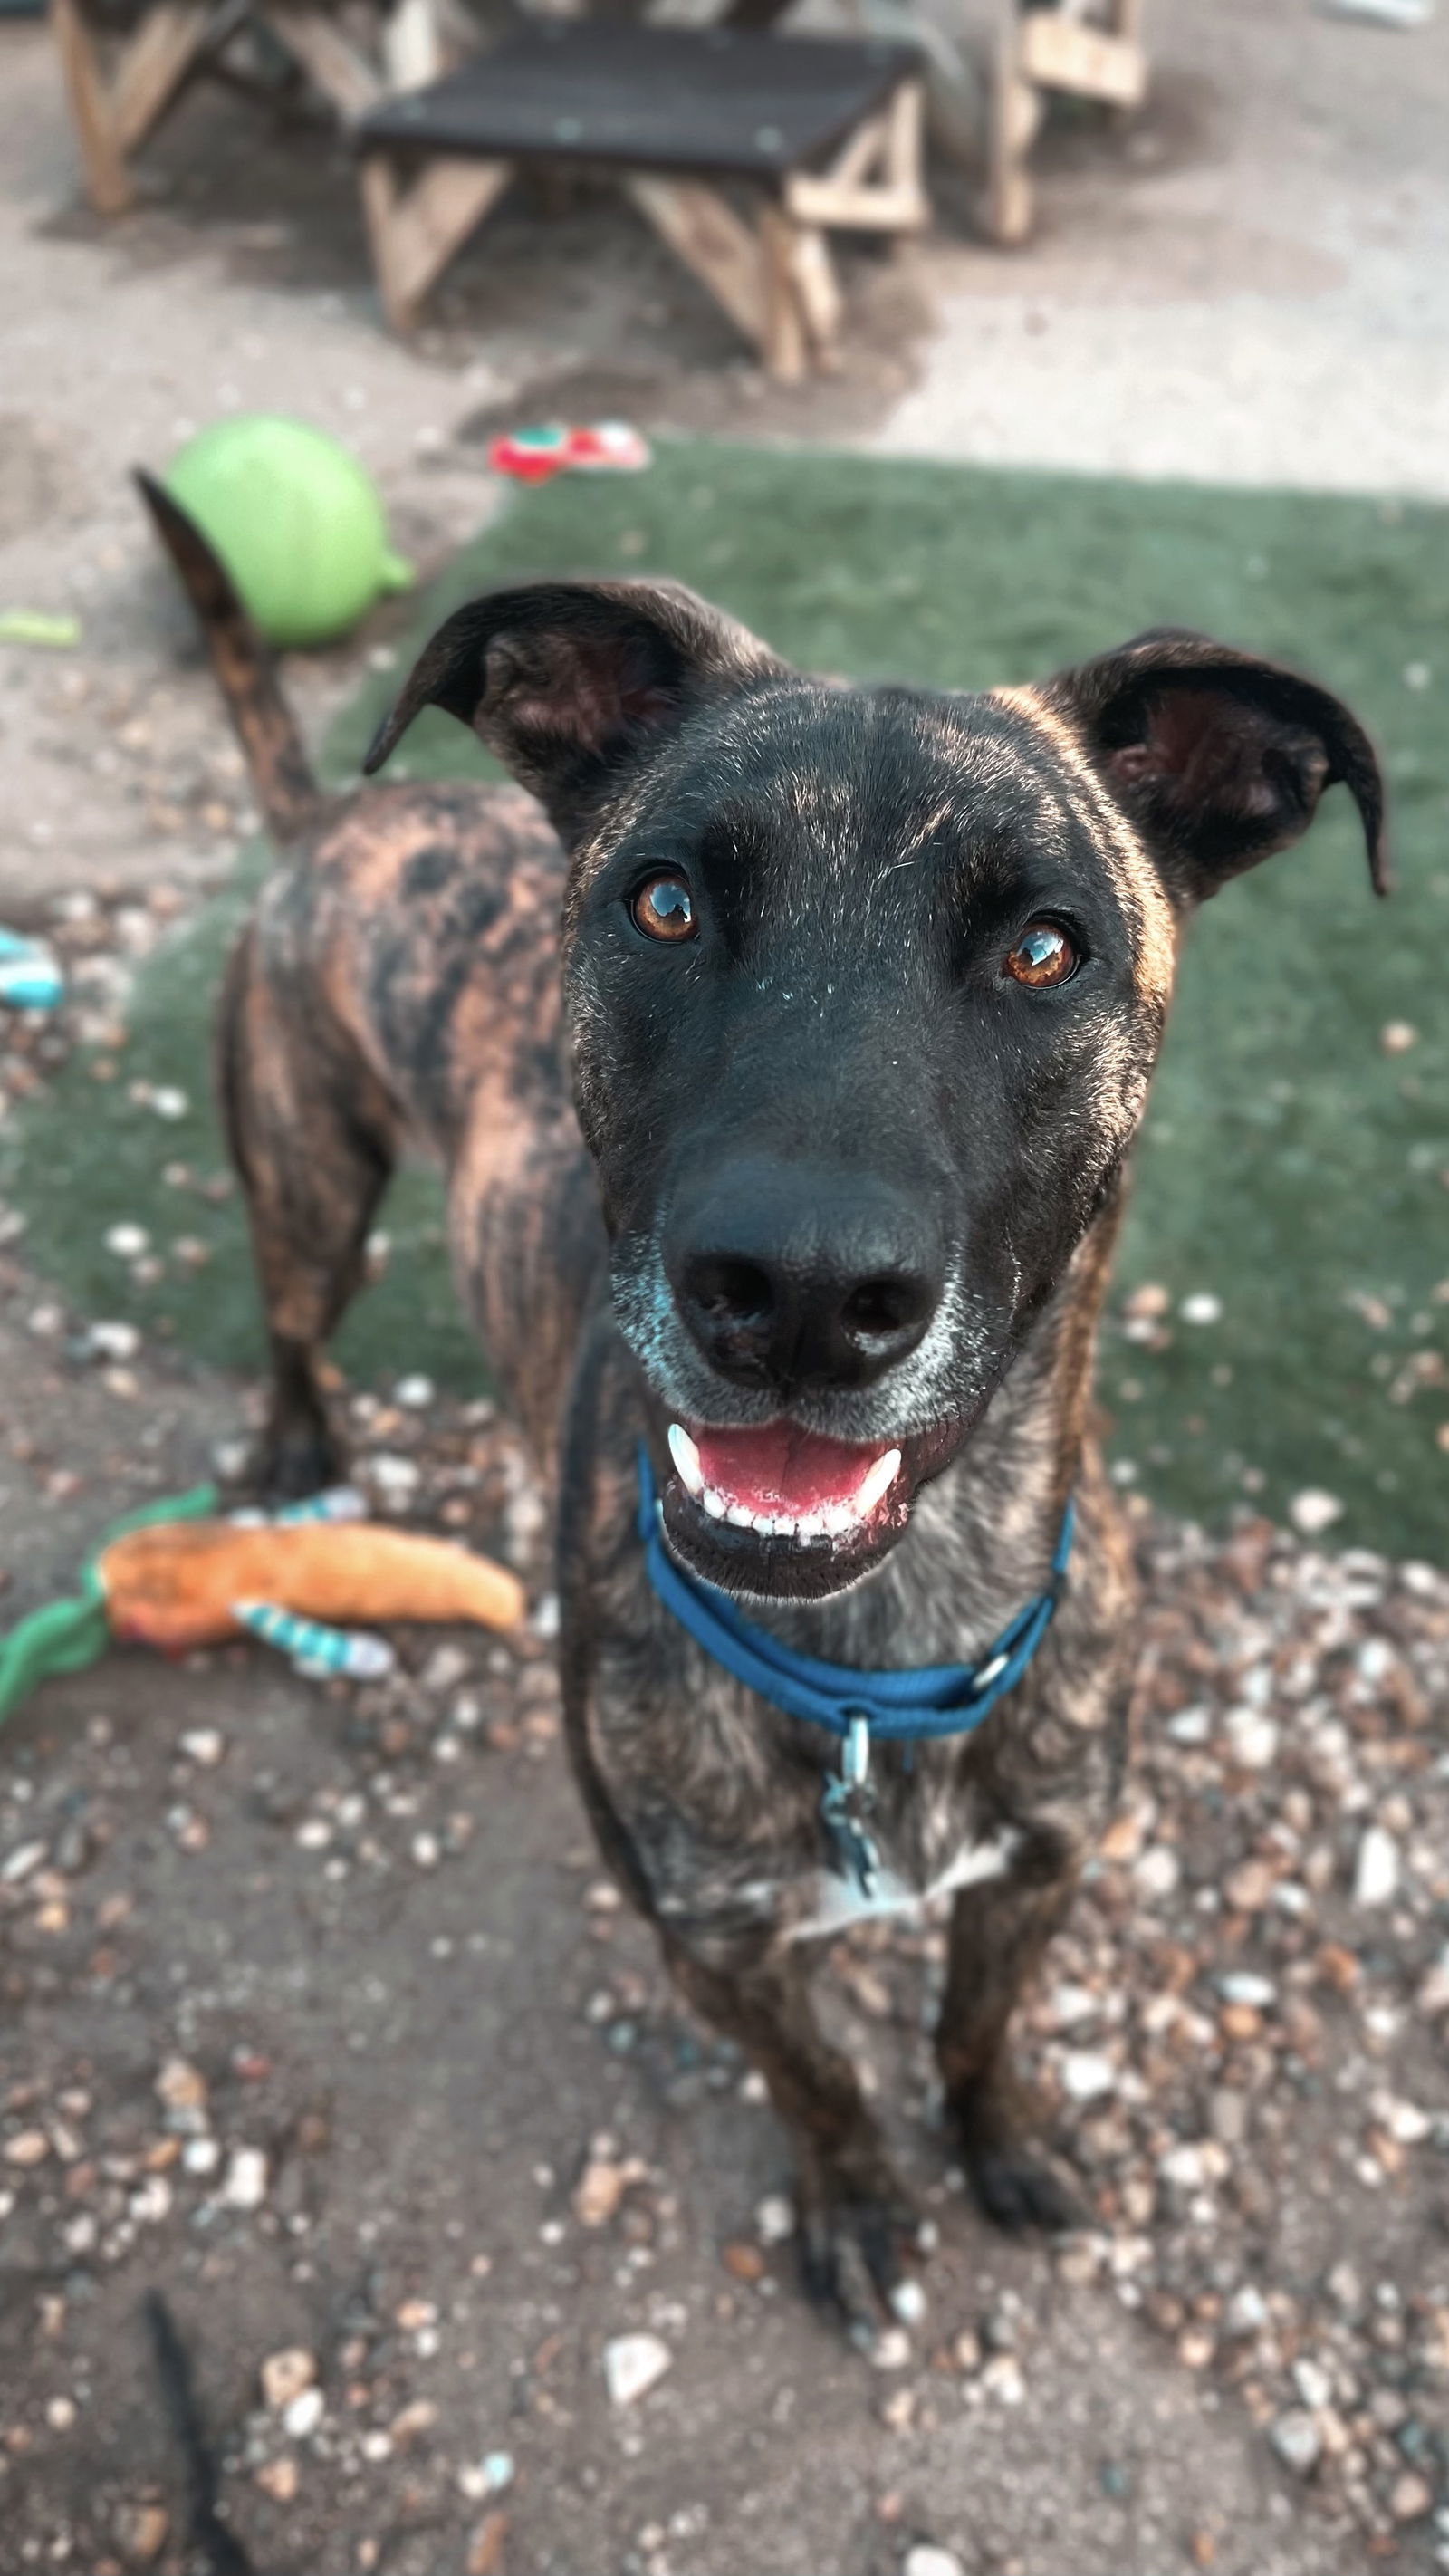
(704,231)
(112,117)
(875,184)
(414,232)
(818,289)
(108,183)
(1016,114)
(787,344)
(1041,51)
(345,77)
(155,64)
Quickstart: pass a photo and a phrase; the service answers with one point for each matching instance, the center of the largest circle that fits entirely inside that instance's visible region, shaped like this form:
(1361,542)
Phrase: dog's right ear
(570,681)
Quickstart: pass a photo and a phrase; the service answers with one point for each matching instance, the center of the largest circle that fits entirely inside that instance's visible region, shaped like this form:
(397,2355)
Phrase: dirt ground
(317,2015)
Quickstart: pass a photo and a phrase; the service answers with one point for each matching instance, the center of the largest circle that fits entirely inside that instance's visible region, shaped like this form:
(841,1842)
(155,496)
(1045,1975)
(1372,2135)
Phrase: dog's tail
(266,728)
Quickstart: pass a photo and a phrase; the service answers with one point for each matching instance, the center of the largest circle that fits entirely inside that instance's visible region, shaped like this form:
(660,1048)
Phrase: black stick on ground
(220,2547)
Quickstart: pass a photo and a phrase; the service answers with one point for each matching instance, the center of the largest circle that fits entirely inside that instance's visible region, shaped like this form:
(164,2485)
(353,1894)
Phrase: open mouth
(786,1513)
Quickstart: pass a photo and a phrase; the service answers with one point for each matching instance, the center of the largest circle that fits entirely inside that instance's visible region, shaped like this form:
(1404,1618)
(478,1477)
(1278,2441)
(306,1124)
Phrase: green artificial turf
(1292,1167)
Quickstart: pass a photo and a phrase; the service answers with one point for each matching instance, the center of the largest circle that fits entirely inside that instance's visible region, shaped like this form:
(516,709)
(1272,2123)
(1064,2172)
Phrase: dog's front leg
(855,2218)
(998,1934)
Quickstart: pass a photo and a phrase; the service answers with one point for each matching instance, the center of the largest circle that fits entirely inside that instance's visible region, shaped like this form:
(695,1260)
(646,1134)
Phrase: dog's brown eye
(664,909)
(1043,955)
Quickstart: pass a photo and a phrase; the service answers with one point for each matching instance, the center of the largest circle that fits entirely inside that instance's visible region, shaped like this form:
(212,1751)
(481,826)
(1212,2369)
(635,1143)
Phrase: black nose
(793,1278)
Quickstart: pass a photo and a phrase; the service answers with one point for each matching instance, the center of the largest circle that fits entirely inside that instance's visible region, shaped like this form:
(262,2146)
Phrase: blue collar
(858,1707)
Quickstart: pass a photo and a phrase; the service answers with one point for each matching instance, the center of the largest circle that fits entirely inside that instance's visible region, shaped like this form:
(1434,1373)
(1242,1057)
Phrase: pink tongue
(781,1468)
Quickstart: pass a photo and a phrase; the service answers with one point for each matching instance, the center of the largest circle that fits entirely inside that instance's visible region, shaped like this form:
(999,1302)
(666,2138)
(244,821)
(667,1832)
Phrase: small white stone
(1247,2310)
(1312,2382)
(397,1478)
(1086,2074)
(1241,1986)
(890,2349)
(1313,1511)
(1296,2439)
(927,2560)
(20,1863)
(1068,2005)
(908,2302)
(775,2219)
(204,1745)
(167,1102)
(1253,1738)
(127,1242)
(1191,1725)
(633,2364)
(1158,1871)
(1182,2166)
(1376,1871)
(304,2414)
(445,1668)
(245,2186)
(114,1341)
(1201,1308)
(1406,2124)
(415,1393)
(200,2155)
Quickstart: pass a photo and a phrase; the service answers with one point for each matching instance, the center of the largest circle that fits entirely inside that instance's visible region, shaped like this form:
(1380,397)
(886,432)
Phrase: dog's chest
(835,1898)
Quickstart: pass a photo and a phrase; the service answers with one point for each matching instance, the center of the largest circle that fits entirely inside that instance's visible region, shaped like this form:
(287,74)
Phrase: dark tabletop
(664,98)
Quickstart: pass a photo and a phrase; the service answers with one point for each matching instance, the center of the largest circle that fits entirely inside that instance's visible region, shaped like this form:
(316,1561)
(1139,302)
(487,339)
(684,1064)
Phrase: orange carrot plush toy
(176,1577)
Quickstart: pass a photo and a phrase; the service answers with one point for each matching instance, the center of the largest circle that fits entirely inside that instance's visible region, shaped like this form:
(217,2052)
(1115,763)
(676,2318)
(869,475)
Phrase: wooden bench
(818,134)
(1072,46)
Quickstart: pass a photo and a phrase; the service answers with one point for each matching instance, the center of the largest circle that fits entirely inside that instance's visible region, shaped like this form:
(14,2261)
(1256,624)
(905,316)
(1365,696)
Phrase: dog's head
(864,989)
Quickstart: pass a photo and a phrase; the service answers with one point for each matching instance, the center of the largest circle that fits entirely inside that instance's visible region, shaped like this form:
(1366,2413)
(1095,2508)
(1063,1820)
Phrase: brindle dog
(805,1172)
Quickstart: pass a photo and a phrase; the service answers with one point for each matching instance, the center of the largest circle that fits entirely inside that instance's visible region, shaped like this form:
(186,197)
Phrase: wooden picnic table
(812,133)
(124,70)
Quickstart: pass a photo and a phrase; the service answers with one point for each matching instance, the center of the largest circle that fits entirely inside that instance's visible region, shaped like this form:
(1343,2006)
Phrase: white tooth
(812,1526)
(876,1480)
(782,1526)
(686,1458)
(714,1504)
(740,1516)
(837,1520)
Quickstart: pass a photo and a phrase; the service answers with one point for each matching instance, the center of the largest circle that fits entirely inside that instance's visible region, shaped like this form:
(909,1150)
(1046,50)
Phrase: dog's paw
(855,2233)
(1018,2192)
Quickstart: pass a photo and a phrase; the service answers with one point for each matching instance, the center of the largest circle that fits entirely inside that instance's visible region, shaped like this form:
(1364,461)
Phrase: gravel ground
(326,2025)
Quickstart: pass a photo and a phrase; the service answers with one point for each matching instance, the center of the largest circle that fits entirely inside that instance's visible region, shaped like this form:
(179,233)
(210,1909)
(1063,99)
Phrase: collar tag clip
(846,1800)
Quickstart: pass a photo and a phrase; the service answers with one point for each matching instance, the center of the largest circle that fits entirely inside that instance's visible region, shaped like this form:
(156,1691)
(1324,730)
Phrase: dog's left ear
(570,681)
(1218,757)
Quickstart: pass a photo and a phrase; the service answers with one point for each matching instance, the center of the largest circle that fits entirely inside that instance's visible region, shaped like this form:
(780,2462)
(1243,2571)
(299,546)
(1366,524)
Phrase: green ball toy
(296,521)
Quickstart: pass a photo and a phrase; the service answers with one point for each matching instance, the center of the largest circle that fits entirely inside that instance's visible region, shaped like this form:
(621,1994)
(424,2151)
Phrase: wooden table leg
(787,348)
(108,183)
(343,74)
(704,231)
(155,64)
(415,231)
(818,289)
